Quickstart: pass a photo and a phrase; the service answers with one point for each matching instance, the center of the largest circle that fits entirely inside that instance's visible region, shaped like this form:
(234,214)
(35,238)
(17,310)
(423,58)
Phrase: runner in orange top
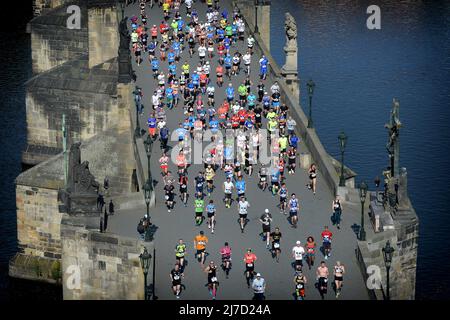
(200,242)
(249,260)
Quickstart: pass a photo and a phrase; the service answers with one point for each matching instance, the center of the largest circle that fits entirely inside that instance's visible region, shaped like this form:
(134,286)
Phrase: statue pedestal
(290,71)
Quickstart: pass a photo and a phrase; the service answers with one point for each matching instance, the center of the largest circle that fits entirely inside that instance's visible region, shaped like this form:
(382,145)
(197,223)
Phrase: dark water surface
(357,73)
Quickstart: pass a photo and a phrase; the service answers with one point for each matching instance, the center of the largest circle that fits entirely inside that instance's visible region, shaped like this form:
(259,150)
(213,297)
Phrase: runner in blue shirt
(248,123)
(211,211)
(228,62)
(220,34)
(214,125)
(181,132)
(195,80)
(251,100)
(171,57)
(275,178)
(169,97)
(155,67)
(240,187)
(230,93)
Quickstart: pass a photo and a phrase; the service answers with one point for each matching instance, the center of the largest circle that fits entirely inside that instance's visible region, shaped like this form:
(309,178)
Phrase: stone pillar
(403,189)
(103,32)
(290,70)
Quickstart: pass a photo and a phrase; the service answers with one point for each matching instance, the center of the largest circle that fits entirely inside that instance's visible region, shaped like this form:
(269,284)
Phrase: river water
(357,73)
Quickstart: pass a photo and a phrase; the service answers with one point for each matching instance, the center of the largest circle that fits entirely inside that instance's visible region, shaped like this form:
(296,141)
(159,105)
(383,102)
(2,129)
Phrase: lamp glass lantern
(310,85)
(148,145)
(363,191)
(342,141)
(145,260)
(147,191)
(388,251)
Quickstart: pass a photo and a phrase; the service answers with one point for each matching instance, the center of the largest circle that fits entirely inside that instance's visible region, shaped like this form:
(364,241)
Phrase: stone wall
(41,6)
(52,43)
(87,114)
(109,265)
(103,34)
(38,221)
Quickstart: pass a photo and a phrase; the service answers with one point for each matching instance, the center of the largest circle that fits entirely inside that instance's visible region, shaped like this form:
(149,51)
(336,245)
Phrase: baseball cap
(266,211)
(298,242)
(258,274)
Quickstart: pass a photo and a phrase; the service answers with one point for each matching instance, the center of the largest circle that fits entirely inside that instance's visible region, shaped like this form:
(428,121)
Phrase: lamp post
(342,143)
(362,195)
(145,264)
(387,255)
(310,85)
(257,4)
(137,131)
(148,149)
(147,192)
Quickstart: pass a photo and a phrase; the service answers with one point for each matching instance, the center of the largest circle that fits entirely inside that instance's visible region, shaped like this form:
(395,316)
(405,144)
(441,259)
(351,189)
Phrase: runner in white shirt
(202,53)
(243,205)
(250,43)
(297,252)
(228,187)
(247,58)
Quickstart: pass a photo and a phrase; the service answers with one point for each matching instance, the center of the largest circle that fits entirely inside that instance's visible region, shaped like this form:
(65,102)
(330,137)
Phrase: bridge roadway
(315,212)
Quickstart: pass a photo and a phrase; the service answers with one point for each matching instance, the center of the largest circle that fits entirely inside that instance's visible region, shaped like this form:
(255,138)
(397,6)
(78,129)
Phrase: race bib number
(249,264)
(276,245)
(176,277)
(213,279)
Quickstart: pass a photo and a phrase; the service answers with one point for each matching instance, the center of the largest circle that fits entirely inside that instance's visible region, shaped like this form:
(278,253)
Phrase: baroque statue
(290,26)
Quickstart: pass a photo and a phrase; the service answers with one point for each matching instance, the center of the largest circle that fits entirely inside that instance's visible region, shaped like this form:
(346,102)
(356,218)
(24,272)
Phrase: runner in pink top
(226,258)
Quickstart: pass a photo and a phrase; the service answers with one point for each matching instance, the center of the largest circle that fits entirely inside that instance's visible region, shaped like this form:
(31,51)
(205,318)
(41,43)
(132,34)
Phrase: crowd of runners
(251,116)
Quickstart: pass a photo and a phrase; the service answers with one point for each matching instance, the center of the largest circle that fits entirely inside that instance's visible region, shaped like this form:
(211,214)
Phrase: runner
(211,211)
(183,182)
(262,184)
(312,178)
(259,287)
(297,253)
(276,246)
(180,252)
(200,242)
(169,196)
(293,210)
(209,175)
(337,212)
(327,235)
(266,219)
(199,209)
(212,279)
(228,187)
(310,251)
(249,260)
(300,282)
(176,275)
(283,198)
(243,206)
(225,252)
(322,279)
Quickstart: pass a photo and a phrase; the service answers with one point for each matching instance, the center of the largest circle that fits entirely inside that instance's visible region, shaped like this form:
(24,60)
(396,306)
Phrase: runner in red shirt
(326,238)
(235,121)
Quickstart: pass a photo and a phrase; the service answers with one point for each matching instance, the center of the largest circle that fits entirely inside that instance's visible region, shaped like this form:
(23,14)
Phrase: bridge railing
(309,136)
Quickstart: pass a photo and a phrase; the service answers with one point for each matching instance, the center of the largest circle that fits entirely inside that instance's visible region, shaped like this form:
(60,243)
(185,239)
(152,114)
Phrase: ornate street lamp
(147,193)
(342,143)
(310,85)
(148,143)
(145,264)
(387,255)
(362,195)
(257,4)
(137,131)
